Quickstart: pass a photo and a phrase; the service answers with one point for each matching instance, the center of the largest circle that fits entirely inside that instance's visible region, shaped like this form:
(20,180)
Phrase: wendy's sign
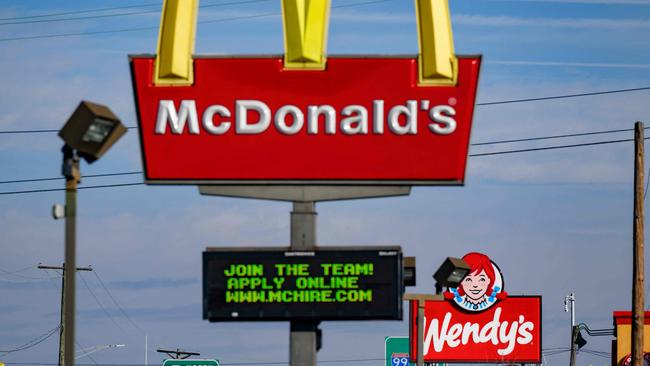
(479,322)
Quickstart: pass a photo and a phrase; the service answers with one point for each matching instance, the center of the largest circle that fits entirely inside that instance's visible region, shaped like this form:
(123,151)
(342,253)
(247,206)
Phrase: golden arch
(305,37)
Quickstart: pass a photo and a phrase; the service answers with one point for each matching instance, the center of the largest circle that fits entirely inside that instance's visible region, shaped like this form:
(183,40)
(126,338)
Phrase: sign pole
(420,332)
(302,338)
(638,251)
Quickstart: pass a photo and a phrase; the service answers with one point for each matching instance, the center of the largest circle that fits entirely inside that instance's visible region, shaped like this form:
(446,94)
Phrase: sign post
(303,337)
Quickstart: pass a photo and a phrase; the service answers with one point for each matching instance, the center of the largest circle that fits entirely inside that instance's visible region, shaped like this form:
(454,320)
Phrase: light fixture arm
(70,167)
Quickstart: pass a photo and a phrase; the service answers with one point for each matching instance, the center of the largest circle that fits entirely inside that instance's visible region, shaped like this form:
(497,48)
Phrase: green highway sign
(397,353)
(190,362)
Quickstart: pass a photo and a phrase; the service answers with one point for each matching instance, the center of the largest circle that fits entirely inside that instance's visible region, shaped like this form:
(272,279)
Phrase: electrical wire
(100,304)
(470,155)
(32,343)
(60,178)
(126,14)
(117,304)
(595,353)
(15,273)
(88,355)
(63,189)
(553,137)
(80,12)
(564,96)
(551,147)
(473,144)
(123,30)
(42,131)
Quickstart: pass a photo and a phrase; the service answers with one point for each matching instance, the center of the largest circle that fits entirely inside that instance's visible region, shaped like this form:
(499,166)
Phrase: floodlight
(409,271)
(451,272)
(91,130)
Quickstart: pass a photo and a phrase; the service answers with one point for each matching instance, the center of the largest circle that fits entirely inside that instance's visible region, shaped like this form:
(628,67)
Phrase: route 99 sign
(333,283)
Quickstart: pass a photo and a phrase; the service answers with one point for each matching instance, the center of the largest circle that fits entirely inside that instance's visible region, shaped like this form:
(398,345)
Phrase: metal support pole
(70,280)
(570,301)
(303,334)
(420,360)
(61,332)
(71,172)
(638,250)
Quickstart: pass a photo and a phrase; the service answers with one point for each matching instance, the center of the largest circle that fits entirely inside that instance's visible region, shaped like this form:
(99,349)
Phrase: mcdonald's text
(401,119)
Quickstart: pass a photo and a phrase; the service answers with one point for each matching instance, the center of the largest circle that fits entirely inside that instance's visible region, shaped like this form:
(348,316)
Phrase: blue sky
(555,221)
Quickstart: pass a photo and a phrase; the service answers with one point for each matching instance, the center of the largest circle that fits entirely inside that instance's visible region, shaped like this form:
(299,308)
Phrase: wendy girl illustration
(482,287)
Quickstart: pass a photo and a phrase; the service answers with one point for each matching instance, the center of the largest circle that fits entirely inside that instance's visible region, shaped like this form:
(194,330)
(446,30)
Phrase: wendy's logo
(481,288)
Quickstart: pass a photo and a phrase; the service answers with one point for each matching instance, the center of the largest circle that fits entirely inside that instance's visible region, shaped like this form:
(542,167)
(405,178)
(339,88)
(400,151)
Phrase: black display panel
(329,283)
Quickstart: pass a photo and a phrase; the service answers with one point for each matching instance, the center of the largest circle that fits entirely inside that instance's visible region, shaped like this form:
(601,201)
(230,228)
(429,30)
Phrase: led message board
(333,283)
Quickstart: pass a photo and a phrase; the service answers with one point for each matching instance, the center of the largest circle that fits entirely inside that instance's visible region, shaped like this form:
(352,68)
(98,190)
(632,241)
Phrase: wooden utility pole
(638,251)
(62,325)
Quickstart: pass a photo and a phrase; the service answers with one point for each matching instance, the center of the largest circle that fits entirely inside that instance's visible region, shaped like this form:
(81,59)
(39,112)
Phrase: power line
(562,96)
(61,35)
(81,12)
(539,138)
(552,137)
(100,304)
(470,155)
(60,178)
(125,14)
(117,304)
(34,342)
(63,189)
(552,97)
(42,131)
(551,147)
(15,273)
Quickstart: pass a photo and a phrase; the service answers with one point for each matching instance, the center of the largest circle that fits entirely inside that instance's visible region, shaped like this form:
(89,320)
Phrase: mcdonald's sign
(304,117)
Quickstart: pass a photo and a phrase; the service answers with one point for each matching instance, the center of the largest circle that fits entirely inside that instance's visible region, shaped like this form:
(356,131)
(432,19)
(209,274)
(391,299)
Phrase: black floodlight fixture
(451,272)
(91,130)
(580,340)
(409,271)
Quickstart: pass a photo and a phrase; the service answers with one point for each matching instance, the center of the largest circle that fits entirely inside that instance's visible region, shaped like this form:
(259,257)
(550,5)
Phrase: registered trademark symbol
(452,101)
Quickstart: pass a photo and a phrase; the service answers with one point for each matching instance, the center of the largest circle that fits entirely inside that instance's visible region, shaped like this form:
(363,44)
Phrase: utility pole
(569,302)
(638,251)
(62,329)
(178,354)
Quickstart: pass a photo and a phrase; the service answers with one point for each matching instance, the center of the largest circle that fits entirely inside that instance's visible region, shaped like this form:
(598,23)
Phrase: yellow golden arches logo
(305,38)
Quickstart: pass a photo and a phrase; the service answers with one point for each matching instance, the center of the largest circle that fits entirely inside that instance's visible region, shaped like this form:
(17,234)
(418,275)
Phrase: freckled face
(475,285)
